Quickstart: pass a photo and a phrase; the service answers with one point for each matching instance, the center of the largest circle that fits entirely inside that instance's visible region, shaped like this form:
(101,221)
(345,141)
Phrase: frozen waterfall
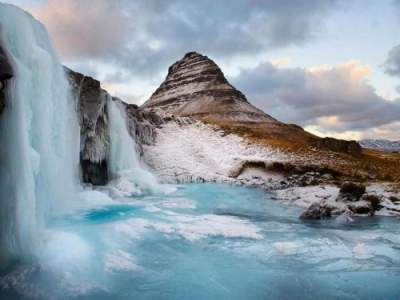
(128,174)
(39,136)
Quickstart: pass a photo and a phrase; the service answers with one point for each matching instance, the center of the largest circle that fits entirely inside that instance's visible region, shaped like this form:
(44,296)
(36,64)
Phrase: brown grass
(372,165)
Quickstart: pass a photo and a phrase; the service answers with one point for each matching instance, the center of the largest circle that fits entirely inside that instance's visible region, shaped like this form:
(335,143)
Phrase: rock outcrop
(350,191)
(196,87)
(142,124)
(6,73)
(93,119)
(351,147)
(92,103)
(317,211)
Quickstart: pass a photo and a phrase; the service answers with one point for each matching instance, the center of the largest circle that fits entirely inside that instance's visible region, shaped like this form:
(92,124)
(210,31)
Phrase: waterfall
(39,136)
(127,172)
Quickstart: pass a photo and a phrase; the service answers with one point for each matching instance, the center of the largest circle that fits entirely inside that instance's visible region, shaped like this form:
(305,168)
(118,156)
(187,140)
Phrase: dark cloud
(392,63)
(146,36)
(335,98)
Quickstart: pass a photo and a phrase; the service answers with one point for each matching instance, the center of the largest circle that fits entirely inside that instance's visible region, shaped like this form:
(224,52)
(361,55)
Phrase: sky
(331,66)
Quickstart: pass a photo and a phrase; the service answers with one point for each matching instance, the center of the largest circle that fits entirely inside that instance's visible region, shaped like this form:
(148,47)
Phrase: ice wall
(39,136)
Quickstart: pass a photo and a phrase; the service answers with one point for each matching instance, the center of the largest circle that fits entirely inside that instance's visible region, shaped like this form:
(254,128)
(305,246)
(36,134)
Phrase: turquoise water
(207,241)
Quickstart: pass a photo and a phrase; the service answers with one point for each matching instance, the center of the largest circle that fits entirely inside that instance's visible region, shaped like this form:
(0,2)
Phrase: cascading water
(39,136)
(126,170)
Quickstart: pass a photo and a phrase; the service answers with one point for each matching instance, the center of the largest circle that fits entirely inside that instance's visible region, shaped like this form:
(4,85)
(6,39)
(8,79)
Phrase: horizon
(332,67)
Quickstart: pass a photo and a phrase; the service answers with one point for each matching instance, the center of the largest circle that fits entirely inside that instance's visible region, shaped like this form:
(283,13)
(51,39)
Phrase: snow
(196,152)
(380,144)
(305,196)
(199,152)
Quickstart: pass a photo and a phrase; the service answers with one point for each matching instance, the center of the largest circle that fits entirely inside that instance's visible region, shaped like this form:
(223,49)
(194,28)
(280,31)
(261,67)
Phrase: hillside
(196,87)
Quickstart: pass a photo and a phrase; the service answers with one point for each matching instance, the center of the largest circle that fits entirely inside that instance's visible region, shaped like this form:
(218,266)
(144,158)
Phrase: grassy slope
(371,165)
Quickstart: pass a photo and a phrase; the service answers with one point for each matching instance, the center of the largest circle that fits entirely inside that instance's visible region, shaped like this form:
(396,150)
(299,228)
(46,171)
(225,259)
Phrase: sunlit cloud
(280,62)
(329,99)
(346,135)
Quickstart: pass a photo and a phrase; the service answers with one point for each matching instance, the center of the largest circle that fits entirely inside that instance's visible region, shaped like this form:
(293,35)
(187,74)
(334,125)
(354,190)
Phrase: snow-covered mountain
(380,144)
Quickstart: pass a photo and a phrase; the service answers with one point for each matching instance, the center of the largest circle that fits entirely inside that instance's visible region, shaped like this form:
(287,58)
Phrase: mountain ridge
(380,144)
(196,87)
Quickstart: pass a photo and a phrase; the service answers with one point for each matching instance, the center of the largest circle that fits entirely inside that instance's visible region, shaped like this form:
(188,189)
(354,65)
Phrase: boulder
(317,211)
(350,191)
(361,208)
(373,200)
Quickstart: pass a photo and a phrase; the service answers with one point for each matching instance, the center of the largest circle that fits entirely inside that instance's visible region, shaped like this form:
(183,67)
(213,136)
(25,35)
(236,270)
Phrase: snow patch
(199,152)
(305,196)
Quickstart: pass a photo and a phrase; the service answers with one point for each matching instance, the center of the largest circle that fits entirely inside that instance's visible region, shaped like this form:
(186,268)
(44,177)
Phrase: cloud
(388,131)
(330,98)
(392,63)
(81,29)
(146,36)
(128,44)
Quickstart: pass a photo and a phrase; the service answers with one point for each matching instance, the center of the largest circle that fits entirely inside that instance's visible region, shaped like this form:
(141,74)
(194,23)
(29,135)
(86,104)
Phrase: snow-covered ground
(305,196)
(197,152)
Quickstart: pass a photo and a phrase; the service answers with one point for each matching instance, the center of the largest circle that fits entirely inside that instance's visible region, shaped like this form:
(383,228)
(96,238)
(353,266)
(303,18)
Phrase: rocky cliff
(93,119)
(196,87)
(92,103)
(6,73)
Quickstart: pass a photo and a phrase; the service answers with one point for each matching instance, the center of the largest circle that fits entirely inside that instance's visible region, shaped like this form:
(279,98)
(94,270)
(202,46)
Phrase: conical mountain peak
(195,86)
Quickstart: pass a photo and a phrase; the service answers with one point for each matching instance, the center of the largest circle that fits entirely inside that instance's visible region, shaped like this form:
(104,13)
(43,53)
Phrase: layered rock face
(195,86)
(92,103)
(6,73)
